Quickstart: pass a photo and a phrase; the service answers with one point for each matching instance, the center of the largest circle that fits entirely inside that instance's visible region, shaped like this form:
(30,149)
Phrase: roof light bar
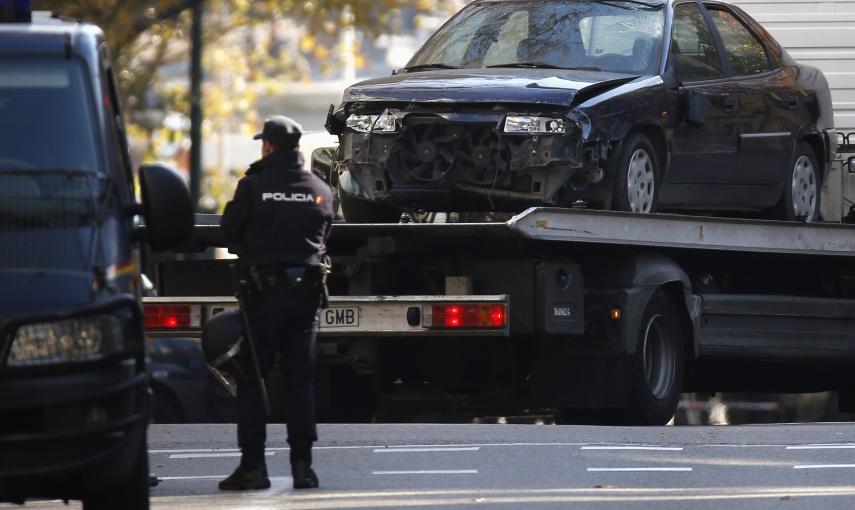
(16,11)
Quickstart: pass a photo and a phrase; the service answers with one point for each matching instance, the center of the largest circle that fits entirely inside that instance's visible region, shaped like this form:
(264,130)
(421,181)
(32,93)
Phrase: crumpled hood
(537,86)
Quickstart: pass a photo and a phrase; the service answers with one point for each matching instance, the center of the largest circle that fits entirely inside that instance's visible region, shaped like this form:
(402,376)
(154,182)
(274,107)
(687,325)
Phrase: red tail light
(173,316)
(466,316)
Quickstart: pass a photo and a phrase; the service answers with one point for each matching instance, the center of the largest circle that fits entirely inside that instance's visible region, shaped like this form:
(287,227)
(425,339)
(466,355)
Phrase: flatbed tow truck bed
(577,309)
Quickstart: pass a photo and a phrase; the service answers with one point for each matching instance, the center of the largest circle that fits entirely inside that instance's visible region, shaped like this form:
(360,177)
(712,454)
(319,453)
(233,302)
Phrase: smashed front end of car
(462,157)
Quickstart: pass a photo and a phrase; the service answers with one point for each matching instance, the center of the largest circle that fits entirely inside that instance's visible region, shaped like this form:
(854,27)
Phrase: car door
(767,115)
(704,148)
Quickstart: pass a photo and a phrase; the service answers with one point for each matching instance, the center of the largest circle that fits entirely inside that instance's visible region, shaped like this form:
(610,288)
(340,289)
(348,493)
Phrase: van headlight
(527,124)
(67,341)
(387,122)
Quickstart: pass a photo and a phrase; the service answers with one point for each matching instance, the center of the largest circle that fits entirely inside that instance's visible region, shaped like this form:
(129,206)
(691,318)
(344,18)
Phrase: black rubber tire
(132,493)
(657,385)
(357,210)
(785,209)
(621,170)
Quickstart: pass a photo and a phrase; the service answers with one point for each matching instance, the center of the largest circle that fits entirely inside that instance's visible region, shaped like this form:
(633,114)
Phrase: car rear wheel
(657,368)
(357,210)
(636,187)
(802,190)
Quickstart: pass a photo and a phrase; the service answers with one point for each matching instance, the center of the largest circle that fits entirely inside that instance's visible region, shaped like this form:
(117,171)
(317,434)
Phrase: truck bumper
(66,436)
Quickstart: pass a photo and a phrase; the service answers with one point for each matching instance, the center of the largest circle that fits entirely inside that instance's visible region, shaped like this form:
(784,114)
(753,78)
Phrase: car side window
(745,52)
(693,47)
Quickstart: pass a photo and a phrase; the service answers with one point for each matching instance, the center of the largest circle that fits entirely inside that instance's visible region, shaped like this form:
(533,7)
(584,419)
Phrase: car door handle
(730,104)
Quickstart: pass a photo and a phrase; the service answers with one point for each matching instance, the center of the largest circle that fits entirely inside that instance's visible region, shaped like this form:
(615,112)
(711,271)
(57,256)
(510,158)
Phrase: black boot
(304,475)
(301,465)
(247,479)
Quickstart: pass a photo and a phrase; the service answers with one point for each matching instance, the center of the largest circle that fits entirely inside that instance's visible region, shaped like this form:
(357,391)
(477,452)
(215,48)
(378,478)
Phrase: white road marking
(429,472)
(823,447)
(826,466)
(172,478)
(419,450)
(646,448)
(641,470)
(587,446)
(211,455)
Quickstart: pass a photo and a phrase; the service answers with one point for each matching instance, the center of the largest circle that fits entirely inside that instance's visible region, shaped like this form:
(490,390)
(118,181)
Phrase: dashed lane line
(825,466)
(644,448)
(640,470)
(421,450)
(211,455)
(822,447)
(429,472)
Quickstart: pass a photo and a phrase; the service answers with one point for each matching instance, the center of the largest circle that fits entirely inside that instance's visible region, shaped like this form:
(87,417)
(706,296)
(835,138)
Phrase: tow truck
(592,313)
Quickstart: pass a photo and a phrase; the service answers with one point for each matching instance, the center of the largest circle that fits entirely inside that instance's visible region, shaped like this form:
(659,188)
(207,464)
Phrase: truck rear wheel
(132,493)
(357,210)
(657,368)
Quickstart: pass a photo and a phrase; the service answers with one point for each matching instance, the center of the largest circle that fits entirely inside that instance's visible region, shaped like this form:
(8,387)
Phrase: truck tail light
(463,316)
(173,316)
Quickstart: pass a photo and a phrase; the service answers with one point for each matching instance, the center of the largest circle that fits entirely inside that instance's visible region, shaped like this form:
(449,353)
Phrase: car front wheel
(637,174)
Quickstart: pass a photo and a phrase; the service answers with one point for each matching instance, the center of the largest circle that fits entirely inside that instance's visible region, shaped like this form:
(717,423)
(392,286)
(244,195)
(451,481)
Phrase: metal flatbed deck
(609,228)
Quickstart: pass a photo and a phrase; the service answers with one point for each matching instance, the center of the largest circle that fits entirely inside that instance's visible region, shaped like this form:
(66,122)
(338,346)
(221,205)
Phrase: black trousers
(282,319)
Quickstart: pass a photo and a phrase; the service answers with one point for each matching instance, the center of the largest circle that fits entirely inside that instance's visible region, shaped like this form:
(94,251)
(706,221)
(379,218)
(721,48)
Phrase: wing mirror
(851,164)
(166,207)
(696,109)
(322,163)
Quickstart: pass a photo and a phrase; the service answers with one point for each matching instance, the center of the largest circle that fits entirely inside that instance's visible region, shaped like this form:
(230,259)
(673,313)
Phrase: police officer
(278,224)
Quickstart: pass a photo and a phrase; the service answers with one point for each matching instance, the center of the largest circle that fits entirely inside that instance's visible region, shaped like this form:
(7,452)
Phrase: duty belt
(273,276)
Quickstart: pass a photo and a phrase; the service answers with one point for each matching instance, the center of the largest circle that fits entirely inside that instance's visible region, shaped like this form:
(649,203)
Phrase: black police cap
(281,131)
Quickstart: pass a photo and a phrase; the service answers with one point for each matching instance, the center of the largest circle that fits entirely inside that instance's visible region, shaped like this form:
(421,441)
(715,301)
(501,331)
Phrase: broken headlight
(67,341)
(388,122)
(527,124)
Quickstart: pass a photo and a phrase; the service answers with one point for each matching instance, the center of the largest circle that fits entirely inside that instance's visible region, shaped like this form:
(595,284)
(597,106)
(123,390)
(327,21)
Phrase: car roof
(651,2)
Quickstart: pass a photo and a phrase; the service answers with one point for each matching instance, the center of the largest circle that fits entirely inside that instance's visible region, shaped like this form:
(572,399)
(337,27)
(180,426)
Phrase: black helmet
(221,341)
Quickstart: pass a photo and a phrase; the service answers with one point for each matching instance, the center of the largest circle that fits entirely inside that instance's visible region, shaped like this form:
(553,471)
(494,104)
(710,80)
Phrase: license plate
(340,317)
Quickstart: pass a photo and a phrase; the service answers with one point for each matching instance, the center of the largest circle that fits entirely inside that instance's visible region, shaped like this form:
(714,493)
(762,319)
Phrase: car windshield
(605,35)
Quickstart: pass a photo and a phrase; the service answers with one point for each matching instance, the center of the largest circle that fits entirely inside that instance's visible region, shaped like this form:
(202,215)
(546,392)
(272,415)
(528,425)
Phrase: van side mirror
(696,109)
(166,207)
(322,163)
(851,164)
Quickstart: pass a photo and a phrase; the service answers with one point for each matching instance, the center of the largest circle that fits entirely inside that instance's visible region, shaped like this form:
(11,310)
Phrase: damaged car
(622,105)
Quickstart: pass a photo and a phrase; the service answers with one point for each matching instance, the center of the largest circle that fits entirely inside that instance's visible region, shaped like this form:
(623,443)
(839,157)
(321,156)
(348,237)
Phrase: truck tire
(637,176)
(657,368)
(802,195)
(357,210)
(132,493)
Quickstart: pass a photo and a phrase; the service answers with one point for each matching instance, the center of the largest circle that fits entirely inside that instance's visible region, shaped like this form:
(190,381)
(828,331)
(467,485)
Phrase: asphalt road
(520,466)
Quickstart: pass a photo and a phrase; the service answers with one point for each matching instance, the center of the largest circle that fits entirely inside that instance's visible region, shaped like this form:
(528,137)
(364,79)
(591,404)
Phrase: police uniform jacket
(280,213)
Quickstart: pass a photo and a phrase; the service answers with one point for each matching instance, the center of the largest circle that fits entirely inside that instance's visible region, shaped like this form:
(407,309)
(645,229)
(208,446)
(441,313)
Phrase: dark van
(74,399)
